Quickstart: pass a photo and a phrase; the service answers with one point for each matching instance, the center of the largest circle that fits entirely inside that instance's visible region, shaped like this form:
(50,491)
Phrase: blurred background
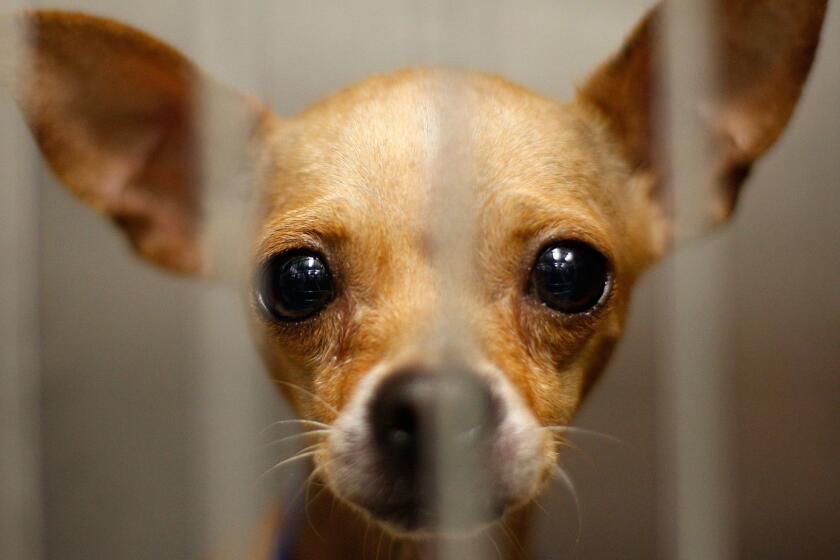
(120,351)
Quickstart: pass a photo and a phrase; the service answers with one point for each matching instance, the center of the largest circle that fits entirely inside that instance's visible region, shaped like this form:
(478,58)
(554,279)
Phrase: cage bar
(228,402)
(695,520)
(21,520)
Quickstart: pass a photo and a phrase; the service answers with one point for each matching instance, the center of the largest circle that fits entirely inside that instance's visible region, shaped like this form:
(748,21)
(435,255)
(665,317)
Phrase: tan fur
(114,113)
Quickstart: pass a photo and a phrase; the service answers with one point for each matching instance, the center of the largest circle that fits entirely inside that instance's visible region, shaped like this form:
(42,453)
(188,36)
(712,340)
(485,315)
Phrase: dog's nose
(411,407)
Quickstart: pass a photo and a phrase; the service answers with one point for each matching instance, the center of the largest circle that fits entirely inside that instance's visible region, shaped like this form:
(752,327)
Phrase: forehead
(369,159)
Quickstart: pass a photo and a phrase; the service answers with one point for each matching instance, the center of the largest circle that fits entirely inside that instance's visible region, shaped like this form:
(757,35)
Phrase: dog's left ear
(118,117)
(767,48)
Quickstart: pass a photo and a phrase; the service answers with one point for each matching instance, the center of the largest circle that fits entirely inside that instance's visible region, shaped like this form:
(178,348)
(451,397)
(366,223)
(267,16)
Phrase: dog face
(352,301)
(359,224)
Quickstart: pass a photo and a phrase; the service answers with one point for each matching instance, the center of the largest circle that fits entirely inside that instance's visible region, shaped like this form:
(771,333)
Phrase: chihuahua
(567,206)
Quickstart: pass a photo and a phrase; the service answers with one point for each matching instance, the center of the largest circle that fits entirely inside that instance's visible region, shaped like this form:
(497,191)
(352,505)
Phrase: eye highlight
(570,277)
(294,286)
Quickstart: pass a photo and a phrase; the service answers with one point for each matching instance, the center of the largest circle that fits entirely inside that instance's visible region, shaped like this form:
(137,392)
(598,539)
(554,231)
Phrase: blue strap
(291,521)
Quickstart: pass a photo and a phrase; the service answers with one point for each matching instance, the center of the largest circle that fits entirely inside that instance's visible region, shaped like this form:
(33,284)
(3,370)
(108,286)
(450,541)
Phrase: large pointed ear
(117,115)
(766,50)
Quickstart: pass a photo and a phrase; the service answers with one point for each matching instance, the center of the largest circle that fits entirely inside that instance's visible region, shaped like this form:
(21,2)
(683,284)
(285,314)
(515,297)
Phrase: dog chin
(406,516)
(419,523)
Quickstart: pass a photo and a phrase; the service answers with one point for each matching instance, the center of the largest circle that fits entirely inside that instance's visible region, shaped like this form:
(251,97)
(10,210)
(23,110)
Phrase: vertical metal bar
(459,472)
(460,476)
(695,509)
(228,407)
(21,523)
(451,33)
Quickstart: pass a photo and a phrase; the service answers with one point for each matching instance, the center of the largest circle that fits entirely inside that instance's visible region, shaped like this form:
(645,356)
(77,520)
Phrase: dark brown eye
(294,286)
(570,277)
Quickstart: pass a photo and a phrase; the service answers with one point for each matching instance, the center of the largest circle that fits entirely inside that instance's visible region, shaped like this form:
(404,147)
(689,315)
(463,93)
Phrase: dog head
(369,318)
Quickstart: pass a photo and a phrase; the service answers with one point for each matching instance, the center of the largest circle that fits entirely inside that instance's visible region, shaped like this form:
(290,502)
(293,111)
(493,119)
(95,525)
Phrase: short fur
(114,112)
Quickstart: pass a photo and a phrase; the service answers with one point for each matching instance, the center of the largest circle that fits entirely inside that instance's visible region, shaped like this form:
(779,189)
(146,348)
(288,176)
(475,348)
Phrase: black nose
(407,414)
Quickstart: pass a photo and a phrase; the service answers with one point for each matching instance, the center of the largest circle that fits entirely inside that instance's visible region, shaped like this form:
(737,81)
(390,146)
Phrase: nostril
(404,407)
(419,418)
(395,418)
(398,426)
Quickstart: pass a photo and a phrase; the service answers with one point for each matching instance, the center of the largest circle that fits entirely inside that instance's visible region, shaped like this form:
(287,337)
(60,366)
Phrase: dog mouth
(416,515)
(426,454)
(415,503)
(406,516)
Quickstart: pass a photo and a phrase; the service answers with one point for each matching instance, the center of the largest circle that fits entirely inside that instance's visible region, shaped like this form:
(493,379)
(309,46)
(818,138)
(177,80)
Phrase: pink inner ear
(119,169)
(741,130)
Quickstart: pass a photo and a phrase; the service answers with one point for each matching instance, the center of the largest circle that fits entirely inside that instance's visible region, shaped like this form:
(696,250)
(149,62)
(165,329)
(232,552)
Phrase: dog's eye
(293,286)
(570,277)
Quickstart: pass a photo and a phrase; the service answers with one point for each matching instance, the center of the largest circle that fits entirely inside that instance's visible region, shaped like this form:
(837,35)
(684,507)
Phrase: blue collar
(291,520)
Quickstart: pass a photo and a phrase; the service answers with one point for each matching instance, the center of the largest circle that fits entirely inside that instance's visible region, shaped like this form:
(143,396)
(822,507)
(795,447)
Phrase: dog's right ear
(116,114)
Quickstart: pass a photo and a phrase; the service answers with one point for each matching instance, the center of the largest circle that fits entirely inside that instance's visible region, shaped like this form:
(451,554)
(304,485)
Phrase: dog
(348,281)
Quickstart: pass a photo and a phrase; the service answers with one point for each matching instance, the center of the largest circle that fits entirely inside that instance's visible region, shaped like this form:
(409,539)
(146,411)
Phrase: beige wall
(120,349)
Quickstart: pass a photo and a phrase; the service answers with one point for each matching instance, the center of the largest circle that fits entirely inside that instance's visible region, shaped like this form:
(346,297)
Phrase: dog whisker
(323,489)
(303,454)
(305,391)
(562,444)
(309,448)
(512,538)
(308,502)
(495,546)
(298,421)
(575,430)
(563,476)
(302,435)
